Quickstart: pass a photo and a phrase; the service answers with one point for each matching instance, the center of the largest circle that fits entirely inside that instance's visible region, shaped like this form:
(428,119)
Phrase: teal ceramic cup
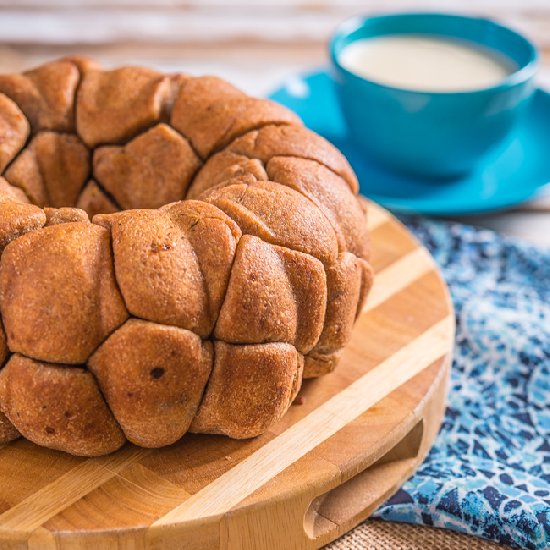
(432,133)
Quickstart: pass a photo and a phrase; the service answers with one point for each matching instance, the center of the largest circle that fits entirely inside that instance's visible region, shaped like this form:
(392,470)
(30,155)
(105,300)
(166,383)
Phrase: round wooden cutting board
(350,441)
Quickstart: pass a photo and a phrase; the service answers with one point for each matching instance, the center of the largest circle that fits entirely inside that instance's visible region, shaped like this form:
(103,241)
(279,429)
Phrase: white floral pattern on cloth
(488,473)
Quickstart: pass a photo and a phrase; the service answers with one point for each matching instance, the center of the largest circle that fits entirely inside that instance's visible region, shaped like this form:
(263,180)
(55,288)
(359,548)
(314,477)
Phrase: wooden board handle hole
(348,504)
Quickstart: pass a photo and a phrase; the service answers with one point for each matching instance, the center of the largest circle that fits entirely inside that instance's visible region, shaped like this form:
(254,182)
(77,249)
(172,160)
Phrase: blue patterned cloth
(488,473)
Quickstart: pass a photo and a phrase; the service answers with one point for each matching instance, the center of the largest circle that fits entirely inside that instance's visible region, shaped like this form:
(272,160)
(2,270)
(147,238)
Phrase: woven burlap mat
(383,535)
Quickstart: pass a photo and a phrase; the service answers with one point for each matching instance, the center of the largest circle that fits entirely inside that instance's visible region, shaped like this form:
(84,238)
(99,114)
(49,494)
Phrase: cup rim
(521,75)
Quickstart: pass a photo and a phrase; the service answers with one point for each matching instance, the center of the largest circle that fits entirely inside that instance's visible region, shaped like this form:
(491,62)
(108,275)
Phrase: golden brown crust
(113,106)
(59,407)
(16,219)
(14,129)
(11,193)
(367,280)
(225,167)
(280,141)
(58,293)
(8,432)
(299,225)
(272,306)
(274,295)
(344,280)
(296,141)
(51,170)
(211,113)
(250,388)
(56,216)
(45,94)
(316,365)
(153,169)
(173,264)
(94,201)
(330,193)
(326,190)
(3,345)
(153,377)
(83,64)
(175,83)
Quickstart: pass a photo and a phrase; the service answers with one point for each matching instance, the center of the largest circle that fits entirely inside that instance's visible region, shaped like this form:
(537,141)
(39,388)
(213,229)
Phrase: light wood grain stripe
(376,216)
(398,276)
(252,473)
(39,507)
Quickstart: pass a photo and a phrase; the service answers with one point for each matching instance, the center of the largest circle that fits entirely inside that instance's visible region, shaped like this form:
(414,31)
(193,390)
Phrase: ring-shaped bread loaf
(175,256)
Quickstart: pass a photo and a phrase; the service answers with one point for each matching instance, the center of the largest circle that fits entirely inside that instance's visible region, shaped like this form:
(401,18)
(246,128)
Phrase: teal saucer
(511,175)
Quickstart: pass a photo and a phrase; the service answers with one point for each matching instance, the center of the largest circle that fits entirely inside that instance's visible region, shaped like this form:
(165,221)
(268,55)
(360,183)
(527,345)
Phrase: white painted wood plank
(532,227)
(317,5)
(119,25)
